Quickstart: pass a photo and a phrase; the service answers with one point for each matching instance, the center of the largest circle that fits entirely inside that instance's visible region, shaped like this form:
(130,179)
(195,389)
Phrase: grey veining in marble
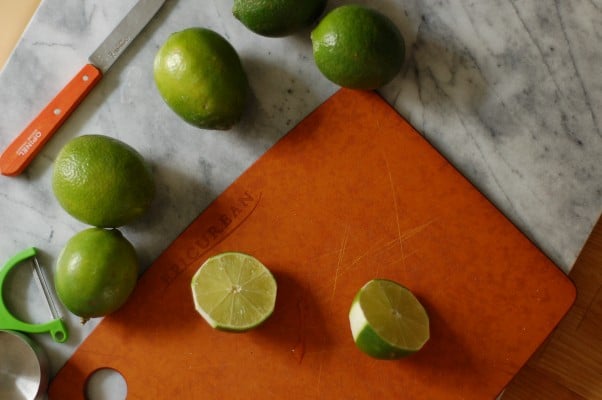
(509,91)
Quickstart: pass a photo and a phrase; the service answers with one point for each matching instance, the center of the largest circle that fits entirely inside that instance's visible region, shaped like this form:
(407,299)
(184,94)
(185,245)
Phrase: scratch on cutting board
(340,262)
(319,385)
(403,236)
(380,247)
(396,209)
(374,250)
(416,230)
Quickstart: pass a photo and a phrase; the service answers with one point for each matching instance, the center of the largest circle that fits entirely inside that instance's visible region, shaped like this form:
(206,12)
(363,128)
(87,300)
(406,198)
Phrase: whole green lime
(102,181)
(96,272)
(275,18)
(358,47)
(201,78)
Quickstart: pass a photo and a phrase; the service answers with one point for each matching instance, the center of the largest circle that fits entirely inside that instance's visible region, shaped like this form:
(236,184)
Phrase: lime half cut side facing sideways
(234,292)
(387,320)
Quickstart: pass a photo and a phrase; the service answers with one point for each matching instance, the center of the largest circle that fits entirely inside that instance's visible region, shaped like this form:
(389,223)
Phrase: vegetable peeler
(56,327)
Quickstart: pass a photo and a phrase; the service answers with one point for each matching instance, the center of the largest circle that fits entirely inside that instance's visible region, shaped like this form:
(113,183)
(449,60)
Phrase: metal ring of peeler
(56,327)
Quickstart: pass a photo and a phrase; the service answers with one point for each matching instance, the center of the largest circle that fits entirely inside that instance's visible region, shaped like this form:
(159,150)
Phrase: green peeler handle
(56,327)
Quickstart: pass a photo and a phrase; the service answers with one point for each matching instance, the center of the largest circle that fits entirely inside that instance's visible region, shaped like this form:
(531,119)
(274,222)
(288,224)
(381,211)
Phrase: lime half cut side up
(387,320)
(234,291)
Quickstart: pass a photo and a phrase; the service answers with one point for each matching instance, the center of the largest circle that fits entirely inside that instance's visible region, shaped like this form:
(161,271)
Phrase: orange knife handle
(28,144)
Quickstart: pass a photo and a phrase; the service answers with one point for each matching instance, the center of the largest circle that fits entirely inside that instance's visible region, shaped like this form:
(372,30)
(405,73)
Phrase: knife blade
(23,149)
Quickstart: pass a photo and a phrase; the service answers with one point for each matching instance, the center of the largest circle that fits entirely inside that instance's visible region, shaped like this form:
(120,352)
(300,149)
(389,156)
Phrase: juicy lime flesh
(201,78)
(102,181)
(276,18)
(234,291)
(358,47)
(387,320)
(96,272)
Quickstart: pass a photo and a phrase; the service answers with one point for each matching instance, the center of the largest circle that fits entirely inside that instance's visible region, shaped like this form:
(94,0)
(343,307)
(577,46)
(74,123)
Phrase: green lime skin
(372,344)
(277,18)
(102,181)
(201,78)
(358,47)
(96,272)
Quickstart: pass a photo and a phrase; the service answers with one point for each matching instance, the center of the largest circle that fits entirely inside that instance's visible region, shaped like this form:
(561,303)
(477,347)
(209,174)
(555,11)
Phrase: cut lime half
(387,320)
(234,291)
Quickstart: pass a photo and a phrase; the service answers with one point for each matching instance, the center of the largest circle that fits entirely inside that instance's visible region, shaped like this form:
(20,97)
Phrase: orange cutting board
(350,194)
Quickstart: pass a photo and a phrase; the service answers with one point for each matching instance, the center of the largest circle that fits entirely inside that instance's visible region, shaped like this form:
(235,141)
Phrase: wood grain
(569,364)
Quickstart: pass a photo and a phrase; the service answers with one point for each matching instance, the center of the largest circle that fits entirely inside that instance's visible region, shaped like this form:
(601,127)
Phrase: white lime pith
(357,320)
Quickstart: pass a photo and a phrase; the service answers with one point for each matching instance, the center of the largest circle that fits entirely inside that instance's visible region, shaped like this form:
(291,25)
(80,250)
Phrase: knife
(22,150)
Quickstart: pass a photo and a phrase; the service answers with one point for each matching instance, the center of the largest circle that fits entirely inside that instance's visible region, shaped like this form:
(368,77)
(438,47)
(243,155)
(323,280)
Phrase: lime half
(234,291)
(387,320)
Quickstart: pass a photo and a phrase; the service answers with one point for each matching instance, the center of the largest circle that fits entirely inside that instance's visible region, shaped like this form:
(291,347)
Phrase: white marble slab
(509,92)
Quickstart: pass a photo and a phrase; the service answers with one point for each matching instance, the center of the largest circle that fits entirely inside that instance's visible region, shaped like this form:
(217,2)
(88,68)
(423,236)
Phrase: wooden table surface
(568,366)
(14,17)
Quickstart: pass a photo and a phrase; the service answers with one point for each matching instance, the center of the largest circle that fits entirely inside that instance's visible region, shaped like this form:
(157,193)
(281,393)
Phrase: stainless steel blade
(124,33)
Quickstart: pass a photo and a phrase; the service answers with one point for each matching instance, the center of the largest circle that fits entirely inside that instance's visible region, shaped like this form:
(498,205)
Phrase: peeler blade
(45,288)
